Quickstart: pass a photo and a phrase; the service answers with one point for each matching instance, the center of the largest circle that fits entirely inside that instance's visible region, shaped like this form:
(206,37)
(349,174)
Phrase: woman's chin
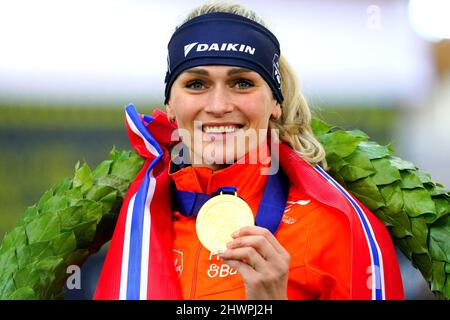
(219,159)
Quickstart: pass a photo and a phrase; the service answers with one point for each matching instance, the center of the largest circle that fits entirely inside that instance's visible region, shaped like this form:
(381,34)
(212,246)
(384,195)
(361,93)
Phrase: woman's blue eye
(243,84)
(195,85)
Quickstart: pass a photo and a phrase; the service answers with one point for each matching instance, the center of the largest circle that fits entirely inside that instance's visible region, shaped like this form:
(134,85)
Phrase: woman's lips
(214,132)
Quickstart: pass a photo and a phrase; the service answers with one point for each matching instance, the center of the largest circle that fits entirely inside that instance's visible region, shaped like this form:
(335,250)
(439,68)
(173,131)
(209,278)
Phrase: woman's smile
(217,131)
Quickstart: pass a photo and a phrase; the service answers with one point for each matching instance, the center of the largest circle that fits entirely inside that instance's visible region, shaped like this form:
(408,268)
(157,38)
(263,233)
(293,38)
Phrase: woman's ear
(276,112)
(170,113)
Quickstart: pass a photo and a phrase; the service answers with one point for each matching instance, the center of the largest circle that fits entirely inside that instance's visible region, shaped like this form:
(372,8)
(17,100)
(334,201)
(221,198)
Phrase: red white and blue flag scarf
(139,264)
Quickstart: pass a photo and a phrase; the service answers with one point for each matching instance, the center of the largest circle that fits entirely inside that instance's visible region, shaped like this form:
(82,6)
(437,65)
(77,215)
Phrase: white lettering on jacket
(219,270)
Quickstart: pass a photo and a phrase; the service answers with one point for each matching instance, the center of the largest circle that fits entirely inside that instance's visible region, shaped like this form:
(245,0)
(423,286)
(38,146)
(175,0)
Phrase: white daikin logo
(188,48)
(218,47)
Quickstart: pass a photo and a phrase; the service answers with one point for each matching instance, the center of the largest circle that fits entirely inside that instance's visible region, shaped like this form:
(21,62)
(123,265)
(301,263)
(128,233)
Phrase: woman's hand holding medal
(253,251)
(261,261)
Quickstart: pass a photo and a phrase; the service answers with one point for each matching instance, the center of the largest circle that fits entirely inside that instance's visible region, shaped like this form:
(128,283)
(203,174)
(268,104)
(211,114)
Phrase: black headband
(224,39)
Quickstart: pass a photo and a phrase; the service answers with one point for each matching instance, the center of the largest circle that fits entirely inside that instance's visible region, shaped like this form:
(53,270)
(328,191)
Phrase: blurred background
(67,68)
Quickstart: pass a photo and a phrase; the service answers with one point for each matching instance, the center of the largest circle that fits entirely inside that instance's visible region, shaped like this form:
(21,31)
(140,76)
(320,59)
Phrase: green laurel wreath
(75,218)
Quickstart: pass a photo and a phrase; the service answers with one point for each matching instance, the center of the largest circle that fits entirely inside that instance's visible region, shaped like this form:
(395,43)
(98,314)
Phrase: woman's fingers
(259,231)
(260,260)
(255,246)
(258,242)
(247,255)
(245,270)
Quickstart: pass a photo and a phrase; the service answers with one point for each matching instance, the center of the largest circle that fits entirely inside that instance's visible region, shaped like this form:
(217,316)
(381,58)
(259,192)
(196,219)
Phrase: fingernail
(235,234)
(222,254)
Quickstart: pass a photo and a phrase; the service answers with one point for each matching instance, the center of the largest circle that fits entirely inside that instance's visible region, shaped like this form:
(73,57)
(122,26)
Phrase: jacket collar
(247,175)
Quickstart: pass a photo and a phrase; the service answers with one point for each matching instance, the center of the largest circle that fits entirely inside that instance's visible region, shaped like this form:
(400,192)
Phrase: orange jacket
(317,238)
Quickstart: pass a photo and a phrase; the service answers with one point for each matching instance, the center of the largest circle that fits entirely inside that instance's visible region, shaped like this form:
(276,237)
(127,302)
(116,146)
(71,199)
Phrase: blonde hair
(294,125)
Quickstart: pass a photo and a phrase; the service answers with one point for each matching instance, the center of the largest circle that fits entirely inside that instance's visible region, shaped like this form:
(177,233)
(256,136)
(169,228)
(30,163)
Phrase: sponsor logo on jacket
(220,270)
(178,262)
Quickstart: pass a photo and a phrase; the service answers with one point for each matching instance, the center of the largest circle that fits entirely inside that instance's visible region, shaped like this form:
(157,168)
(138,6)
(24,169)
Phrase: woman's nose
(219,102)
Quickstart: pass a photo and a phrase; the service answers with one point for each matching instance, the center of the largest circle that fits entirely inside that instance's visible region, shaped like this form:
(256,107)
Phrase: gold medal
(219,217)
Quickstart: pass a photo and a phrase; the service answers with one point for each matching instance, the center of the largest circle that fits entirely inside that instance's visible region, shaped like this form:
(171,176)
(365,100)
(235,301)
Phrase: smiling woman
(282,228)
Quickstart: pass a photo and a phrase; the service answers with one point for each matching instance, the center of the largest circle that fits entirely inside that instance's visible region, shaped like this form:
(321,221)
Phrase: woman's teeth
(220,129)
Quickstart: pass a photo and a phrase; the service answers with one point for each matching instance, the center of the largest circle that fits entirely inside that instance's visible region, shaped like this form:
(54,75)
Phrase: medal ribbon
(270,210)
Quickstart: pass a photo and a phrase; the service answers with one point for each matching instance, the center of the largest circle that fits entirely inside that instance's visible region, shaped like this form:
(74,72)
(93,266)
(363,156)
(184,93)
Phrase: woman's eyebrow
(229,73)
(238,70)
(198,71)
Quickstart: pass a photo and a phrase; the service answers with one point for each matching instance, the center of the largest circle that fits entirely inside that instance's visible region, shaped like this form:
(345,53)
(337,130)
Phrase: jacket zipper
(194,276)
